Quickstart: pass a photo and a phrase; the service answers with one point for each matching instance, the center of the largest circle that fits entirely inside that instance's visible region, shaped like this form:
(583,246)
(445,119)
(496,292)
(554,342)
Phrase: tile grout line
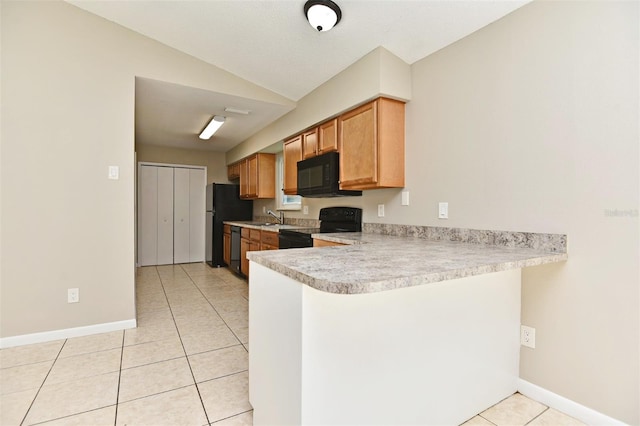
(42,384)
(226,418)
(225,323)
(543,411)
(115,418)
(206,415)
(214,308)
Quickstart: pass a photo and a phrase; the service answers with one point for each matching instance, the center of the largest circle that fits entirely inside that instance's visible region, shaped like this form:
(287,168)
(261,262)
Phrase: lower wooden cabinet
(249,241)
(269,241)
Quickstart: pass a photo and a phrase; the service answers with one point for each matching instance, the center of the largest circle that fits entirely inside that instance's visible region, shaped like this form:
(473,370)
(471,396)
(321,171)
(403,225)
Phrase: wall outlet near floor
(73,295)
(380,210)
(528,336)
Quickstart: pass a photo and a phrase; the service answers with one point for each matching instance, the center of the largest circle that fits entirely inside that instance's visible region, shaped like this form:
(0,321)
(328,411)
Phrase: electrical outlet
(305,210)
(264,210)
(528,336)
(73,295)
(380,210)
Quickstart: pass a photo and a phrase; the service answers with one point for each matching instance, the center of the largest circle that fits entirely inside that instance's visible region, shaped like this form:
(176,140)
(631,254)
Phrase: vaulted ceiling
(270,43)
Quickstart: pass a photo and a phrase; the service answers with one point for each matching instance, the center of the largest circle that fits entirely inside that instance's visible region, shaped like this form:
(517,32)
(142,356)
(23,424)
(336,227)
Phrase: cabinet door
(310,143)
(197,186)
(244,262)
(292,153)
(328,136)
(148,215)
(252,172)
(357,143)
(244,178)
(165,216)
(266,175)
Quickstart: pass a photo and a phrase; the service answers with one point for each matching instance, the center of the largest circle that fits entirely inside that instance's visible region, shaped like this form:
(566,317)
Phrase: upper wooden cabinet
(328,136)
(258,176)
(310,143)
(233,171)
(292,153)
(321,139)
(371,146)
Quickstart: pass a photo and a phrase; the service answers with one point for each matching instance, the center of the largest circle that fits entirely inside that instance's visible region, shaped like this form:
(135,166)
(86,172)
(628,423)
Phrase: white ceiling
(270,43)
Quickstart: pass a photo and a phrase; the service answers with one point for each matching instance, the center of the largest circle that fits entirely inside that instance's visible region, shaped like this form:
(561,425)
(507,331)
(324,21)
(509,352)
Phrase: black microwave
(319,177)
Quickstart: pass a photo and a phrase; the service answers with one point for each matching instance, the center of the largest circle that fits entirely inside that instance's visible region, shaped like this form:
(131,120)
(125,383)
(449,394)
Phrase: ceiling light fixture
(322,14)
(212,127)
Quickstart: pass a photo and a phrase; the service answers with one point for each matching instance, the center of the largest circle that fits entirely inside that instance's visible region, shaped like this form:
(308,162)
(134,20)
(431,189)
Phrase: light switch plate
(443,210)
(114,172)
(405,198)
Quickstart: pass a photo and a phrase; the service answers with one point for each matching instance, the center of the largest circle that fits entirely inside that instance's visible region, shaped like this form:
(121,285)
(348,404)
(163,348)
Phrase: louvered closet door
(148,216)
(165,216)
(197,185)
(181,221)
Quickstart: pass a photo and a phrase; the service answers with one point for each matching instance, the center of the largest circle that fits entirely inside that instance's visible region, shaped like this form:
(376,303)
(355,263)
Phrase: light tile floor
(185,364)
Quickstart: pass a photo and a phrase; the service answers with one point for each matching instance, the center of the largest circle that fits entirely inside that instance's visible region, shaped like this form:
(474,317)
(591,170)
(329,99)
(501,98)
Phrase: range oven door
(294,240)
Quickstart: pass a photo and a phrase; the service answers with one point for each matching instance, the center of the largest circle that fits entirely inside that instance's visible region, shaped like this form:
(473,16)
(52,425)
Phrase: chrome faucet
(279,219)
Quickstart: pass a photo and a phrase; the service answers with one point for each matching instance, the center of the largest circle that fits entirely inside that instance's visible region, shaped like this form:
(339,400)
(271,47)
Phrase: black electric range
(332,219)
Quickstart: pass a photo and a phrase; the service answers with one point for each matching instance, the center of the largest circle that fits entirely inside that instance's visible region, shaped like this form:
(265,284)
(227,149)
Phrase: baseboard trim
(48,336)
(567,406)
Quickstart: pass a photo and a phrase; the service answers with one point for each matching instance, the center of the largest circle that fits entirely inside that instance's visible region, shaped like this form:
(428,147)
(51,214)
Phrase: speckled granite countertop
(374,262)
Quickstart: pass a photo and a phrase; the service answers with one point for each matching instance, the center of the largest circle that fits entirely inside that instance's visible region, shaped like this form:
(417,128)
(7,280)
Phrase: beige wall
(67,114)
(377,73)
(214,161)
(531,124)
(528,124)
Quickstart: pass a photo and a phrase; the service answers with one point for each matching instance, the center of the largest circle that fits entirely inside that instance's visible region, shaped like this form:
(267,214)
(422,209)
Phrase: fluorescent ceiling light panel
(216,122)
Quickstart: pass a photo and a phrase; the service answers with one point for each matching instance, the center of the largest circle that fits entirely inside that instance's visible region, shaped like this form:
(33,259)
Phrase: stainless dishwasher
(235,249)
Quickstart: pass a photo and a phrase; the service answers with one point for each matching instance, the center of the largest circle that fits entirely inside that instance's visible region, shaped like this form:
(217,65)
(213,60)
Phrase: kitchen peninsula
(389,329)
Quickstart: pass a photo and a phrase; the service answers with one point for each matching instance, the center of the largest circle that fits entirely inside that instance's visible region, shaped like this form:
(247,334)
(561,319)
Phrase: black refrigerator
(223,203)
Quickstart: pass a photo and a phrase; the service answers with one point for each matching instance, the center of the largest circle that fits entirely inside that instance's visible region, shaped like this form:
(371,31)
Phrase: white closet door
(165,216)
(148,216)
(197,186)
(181,219)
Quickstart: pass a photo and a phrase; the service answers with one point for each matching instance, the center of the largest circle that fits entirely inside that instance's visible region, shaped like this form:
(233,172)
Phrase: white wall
(67,114)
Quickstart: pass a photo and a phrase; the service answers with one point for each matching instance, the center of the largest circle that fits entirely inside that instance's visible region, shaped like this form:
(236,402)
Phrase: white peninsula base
(432,354)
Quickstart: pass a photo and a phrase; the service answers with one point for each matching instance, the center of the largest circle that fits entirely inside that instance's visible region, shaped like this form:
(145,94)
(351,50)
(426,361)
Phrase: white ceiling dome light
(322,14)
